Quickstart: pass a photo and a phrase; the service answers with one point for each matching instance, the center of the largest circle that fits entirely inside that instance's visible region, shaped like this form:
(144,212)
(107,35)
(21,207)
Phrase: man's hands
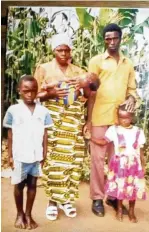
(130,104)
(87,129)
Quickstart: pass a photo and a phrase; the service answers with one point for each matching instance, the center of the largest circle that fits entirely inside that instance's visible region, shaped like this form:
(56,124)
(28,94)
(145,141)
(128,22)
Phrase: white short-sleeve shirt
(129,137)
(27,131)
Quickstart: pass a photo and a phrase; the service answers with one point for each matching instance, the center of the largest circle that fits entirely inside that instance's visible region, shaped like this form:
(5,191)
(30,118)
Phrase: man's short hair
(26,78)
(112,27)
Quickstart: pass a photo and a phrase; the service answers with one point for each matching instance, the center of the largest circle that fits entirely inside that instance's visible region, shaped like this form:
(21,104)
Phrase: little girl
(125,180)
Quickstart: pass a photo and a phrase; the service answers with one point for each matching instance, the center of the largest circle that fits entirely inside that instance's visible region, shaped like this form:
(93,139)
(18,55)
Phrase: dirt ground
(85,221)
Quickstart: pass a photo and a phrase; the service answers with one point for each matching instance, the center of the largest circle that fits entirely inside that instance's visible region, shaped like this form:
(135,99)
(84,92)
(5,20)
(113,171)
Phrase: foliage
(141,61)
(26,46)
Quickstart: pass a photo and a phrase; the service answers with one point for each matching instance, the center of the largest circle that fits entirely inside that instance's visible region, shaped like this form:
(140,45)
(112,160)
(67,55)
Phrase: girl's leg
(31,193)
(18,195)
(119,213)
(131,213)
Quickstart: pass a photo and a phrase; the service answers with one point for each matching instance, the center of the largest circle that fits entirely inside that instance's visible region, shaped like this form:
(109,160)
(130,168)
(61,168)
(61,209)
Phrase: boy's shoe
(98,208)
(113,204)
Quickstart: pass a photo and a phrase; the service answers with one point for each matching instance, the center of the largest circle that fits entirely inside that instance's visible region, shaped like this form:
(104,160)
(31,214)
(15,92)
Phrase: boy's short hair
(26,78)
(112,27)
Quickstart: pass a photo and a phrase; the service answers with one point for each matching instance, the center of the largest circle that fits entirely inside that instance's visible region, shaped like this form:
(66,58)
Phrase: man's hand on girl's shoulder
(130,104)
(87,127)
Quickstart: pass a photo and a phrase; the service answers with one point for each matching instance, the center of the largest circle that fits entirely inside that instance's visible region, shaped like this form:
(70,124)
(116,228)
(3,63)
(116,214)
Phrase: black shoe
(113,203)
(98,208)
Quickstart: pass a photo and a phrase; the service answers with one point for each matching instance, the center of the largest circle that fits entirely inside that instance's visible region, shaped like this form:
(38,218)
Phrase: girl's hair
(112,27)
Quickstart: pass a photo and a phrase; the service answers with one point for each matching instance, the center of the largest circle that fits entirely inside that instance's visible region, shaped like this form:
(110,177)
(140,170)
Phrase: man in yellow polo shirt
(118,86)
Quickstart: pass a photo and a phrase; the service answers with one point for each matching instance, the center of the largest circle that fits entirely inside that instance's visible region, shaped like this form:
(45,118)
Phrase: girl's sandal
(51,212)
(68,209)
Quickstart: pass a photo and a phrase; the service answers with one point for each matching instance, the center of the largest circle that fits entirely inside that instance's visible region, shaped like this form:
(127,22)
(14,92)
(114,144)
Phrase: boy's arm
(101,142)
(142,159)
(45,144)
(10,157)
(47,123)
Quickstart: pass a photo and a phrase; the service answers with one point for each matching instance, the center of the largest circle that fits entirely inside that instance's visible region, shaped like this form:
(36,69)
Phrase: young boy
(27,124)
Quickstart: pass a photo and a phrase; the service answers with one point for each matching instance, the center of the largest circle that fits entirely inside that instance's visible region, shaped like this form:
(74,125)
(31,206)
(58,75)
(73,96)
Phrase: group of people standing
(51,136)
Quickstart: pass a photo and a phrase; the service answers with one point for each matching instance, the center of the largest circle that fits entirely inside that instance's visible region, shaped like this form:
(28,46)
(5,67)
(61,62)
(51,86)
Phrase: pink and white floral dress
(125,178)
